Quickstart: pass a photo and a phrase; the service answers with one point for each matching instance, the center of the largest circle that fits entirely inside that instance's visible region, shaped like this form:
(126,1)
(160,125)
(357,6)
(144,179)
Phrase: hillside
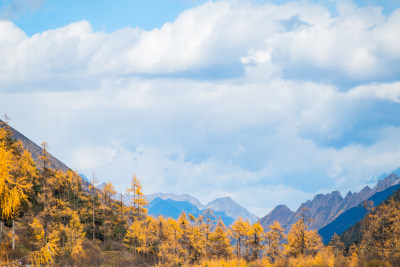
(379,232)
(36,151)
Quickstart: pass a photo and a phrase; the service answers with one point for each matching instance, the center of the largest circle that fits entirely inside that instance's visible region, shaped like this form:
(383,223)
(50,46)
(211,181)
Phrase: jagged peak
(334,194)
(388,181)
(365,189)
(349,194)
(281,207)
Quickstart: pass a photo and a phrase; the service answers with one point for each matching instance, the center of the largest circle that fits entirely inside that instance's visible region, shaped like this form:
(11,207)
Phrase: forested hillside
(47,218)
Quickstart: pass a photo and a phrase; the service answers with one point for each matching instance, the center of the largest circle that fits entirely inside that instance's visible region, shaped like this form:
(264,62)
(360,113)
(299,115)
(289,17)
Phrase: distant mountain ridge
(225,205)
(231,208)
(172,208)
(348,218)
(183,197)
(323,209)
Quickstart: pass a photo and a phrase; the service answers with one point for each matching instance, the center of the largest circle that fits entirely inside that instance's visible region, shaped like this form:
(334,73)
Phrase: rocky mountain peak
(366,189)
(321,197)
(280,213)
(281,209)
(349,194)
(389,181)
(231,208)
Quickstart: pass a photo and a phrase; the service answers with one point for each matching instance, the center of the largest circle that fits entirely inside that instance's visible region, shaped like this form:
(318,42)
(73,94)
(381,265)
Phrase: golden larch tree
(274,239)
(138,201)
(220,242)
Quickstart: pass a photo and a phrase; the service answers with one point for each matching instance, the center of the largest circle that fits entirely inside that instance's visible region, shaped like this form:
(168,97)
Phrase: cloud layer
(256,101)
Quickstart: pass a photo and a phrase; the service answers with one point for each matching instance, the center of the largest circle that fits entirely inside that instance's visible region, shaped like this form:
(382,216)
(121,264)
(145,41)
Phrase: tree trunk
(1,231)
(13,234)
(94,225)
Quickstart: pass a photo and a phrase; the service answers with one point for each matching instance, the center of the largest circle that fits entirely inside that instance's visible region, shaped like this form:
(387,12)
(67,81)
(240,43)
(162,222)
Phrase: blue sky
(103,15)
(269,102)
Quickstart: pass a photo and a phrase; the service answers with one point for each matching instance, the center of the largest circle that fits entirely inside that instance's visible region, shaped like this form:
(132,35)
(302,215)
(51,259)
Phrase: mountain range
(173,208)
(183,197)
(225,207)
(350,217)
(323,209)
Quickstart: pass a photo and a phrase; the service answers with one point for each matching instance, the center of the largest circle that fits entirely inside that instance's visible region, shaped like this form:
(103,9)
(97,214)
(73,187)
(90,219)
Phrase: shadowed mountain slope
(323,209)
(353,215)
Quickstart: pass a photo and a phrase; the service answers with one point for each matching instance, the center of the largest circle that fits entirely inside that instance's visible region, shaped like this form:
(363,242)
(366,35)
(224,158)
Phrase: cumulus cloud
(390,92)
(132,101)
(216,37)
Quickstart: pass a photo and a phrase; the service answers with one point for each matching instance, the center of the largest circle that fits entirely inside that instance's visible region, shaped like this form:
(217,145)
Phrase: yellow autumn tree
(36,232)
(219,242)
(74,236)
(197,239)
(255,241)
(184,239)
(94,202)
(239,232)
(16,174)
(207,221)
(135,237)
(301,241)
(274,239)
(381,238)
(337,249)
(170,251)
(138,201)
(107,194)
(48,180)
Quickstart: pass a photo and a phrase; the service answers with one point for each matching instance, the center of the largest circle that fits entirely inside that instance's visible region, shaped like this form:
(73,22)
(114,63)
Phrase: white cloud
(125,102)
(213,35)
(390,92)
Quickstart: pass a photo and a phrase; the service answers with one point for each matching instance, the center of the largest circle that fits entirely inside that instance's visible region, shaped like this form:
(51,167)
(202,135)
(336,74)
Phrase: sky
(268,102)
